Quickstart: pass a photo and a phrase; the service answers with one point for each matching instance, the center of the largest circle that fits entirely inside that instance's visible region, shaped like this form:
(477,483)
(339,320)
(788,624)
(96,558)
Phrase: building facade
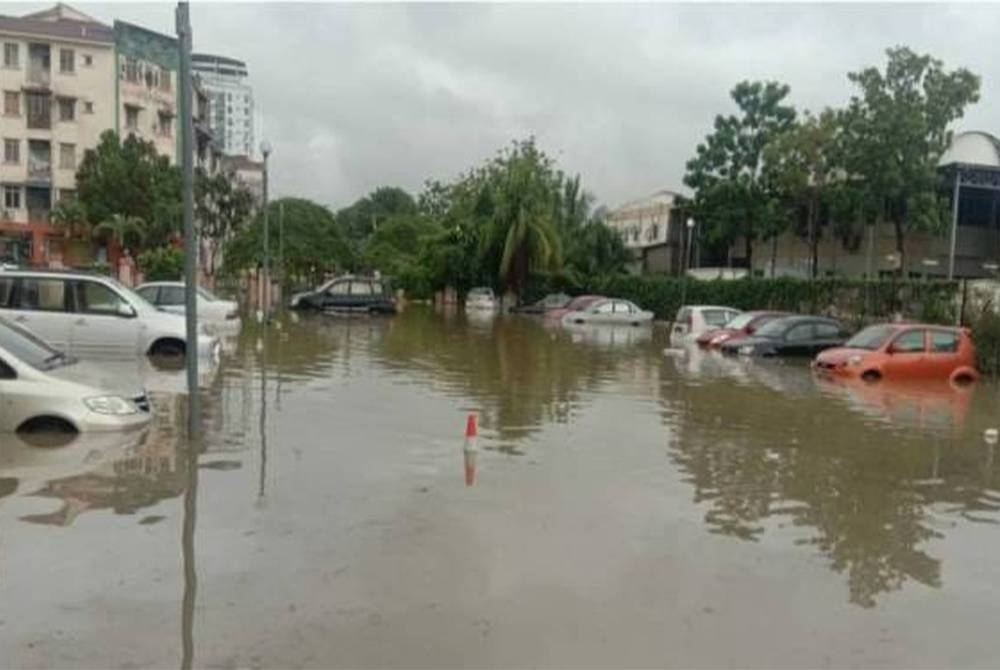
(231,103)
(652,229)
(57,81)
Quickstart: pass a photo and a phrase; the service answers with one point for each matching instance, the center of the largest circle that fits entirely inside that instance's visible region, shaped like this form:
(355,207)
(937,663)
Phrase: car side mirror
(126,311)
(891,349)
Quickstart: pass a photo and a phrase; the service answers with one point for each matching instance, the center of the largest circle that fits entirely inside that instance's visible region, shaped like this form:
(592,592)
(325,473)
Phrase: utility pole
(183,18)
(265,149)
(281,246)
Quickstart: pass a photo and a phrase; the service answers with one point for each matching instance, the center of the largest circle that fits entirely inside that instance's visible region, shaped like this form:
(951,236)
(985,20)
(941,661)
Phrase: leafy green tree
(395,244)
(802,165)
(732,193)
(221,209)
(129,178)
(162,264)
(313,241)
(70,216)
(896,128)
(360,220)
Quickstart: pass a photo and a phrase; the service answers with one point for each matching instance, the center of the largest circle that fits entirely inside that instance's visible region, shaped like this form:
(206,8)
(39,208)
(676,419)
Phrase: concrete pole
(266,293)
(954,225)
(183,18)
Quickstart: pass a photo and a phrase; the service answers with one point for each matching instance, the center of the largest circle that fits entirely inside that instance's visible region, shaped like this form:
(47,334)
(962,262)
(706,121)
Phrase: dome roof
(973,148)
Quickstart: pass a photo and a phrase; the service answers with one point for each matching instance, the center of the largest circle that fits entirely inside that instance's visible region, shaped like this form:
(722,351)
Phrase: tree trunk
(774,253)
(748,245)
(900,246)
(813,239)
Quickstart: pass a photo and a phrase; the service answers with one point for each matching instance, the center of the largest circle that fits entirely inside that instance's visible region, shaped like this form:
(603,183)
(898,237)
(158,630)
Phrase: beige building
(652,229)
(57,80)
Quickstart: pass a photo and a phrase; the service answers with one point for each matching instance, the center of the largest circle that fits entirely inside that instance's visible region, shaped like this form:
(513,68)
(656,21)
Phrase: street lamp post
(265,149)
(689,224)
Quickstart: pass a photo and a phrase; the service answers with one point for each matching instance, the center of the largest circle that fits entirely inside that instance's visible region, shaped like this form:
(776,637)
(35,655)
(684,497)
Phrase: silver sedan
(611,311)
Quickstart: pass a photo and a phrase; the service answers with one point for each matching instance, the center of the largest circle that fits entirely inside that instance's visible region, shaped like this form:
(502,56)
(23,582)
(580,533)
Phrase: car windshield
(582,302)
(774,328)
(872,337)
(481,293)
(207,295)
(29,348)
(741,321)
(717,318)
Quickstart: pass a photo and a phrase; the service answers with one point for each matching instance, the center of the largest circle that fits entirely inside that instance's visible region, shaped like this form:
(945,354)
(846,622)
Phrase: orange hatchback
(903,351)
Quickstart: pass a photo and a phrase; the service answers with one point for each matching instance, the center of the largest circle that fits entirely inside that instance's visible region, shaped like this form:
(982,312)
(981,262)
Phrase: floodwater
(629,508)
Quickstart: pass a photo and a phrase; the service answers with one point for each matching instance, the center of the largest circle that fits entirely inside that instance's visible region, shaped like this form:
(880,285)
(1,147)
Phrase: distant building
(246,172)
(58,97)
(974,159)
(231,104)
(652,228)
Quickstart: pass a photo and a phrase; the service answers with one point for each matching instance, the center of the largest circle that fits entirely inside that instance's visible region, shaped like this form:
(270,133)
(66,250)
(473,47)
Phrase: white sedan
(45,389)
(610,311)
(169,296)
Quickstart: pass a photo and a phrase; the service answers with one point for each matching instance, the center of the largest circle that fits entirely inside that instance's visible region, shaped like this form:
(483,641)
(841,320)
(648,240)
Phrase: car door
(942,353)
(361,295)
(104,323)
(827,335)
(682,322)
(42,305)
(8,395)
(338,295)
(624,312)
(907,354)
(799,340)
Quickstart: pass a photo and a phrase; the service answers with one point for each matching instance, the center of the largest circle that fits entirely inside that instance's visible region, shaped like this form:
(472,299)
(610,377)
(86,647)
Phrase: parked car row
(51,320)
(898,350)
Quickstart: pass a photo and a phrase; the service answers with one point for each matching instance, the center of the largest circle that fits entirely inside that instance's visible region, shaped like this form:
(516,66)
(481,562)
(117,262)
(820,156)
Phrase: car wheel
(871,375)
(167,348)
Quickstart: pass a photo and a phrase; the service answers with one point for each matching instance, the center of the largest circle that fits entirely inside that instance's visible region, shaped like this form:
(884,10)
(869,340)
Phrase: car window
(6,290)
(361,288)
(622,307)
(26,346)
(800,333)
(911,341)
(340,288)
(99,299)
(827,330)
(605,307)
(149,293)
(716,318)
(171,295)
(944,342)
(47,295)
(6,372)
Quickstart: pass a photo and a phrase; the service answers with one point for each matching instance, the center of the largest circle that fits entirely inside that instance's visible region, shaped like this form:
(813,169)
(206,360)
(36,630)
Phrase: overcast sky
(357,96)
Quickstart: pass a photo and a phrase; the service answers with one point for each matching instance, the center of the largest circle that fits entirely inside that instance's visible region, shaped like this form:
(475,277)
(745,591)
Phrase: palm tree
(121,228)
(70,216)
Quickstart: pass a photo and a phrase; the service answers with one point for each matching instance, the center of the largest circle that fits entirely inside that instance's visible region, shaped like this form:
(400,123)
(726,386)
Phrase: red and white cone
(470,449)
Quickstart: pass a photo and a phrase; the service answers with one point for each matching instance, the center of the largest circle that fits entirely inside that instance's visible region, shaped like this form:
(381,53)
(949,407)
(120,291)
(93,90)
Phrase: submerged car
(481,299)
(609,311)
(743,325)
(170,297)
(790,336)
(42,388)
(348,294)
(549,302)
(904,351)
(693,320)
(577,304)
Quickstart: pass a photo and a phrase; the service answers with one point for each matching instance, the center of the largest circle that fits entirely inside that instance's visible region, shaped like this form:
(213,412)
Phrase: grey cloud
(356,96)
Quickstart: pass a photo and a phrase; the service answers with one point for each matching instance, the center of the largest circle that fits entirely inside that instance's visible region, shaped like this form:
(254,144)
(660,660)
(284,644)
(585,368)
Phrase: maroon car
(578,303)
(742,325)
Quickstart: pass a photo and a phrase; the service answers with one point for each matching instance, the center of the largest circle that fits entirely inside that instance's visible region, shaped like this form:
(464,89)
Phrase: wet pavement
(630,508)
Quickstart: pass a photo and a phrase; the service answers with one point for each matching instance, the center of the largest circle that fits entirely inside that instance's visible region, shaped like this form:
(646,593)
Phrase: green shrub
(986,334)
(162,264)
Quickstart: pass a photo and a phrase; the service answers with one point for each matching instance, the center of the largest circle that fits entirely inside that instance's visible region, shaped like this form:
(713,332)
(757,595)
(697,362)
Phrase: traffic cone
(469,449)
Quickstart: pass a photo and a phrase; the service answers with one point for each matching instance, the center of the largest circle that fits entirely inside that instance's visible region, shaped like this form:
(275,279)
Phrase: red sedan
(743,325)
(577,304)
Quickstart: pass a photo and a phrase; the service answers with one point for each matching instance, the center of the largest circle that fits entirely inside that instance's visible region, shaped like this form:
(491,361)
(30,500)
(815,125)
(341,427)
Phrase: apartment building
(231,104)
(57,83)
(652,230)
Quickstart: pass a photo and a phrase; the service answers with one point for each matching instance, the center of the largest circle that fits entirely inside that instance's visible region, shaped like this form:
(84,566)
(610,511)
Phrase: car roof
(59,273)
(801,318)
(704,307)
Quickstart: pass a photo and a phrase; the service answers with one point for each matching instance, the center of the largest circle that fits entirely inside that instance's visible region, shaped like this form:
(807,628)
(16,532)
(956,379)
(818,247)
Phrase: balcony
(39,75)
(39,111)
(39,64)
(39,161)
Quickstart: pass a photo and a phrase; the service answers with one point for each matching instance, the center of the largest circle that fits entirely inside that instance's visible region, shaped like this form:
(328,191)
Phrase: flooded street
(630,508)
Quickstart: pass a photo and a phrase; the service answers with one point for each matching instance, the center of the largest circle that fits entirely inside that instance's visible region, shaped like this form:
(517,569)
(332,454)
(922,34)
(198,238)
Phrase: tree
(220,210)
(361,219)
(70,216)
(130,179)
(394,245)
(521,232)
(162,264)
(896,129)
(122,229)
(313,241)
(801,164)
(732,194)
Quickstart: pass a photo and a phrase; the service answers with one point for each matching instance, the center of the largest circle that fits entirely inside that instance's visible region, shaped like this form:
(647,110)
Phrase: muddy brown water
(630,509)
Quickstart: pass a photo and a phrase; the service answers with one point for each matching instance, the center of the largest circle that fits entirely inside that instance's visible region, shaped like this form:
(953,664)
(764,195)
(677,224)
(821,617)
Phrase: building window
(67,61)
(88,107)
(67,195)
(11,103)
(67,156)
(11,55)
(12,151)
(88,60)
(166,125)
(130,70)
(131,117)
(164,79)
(67,109)
(12,197)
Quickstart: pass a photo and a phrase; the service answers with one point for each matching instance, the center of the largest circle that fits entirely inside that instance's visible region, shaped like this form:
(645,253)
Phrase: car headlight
(111,404)
(854,359)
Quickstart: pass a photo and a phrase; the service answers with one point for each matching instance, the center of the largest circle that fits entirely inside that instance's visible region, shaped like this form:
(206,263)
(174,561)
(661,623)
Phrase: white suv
(91,316)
